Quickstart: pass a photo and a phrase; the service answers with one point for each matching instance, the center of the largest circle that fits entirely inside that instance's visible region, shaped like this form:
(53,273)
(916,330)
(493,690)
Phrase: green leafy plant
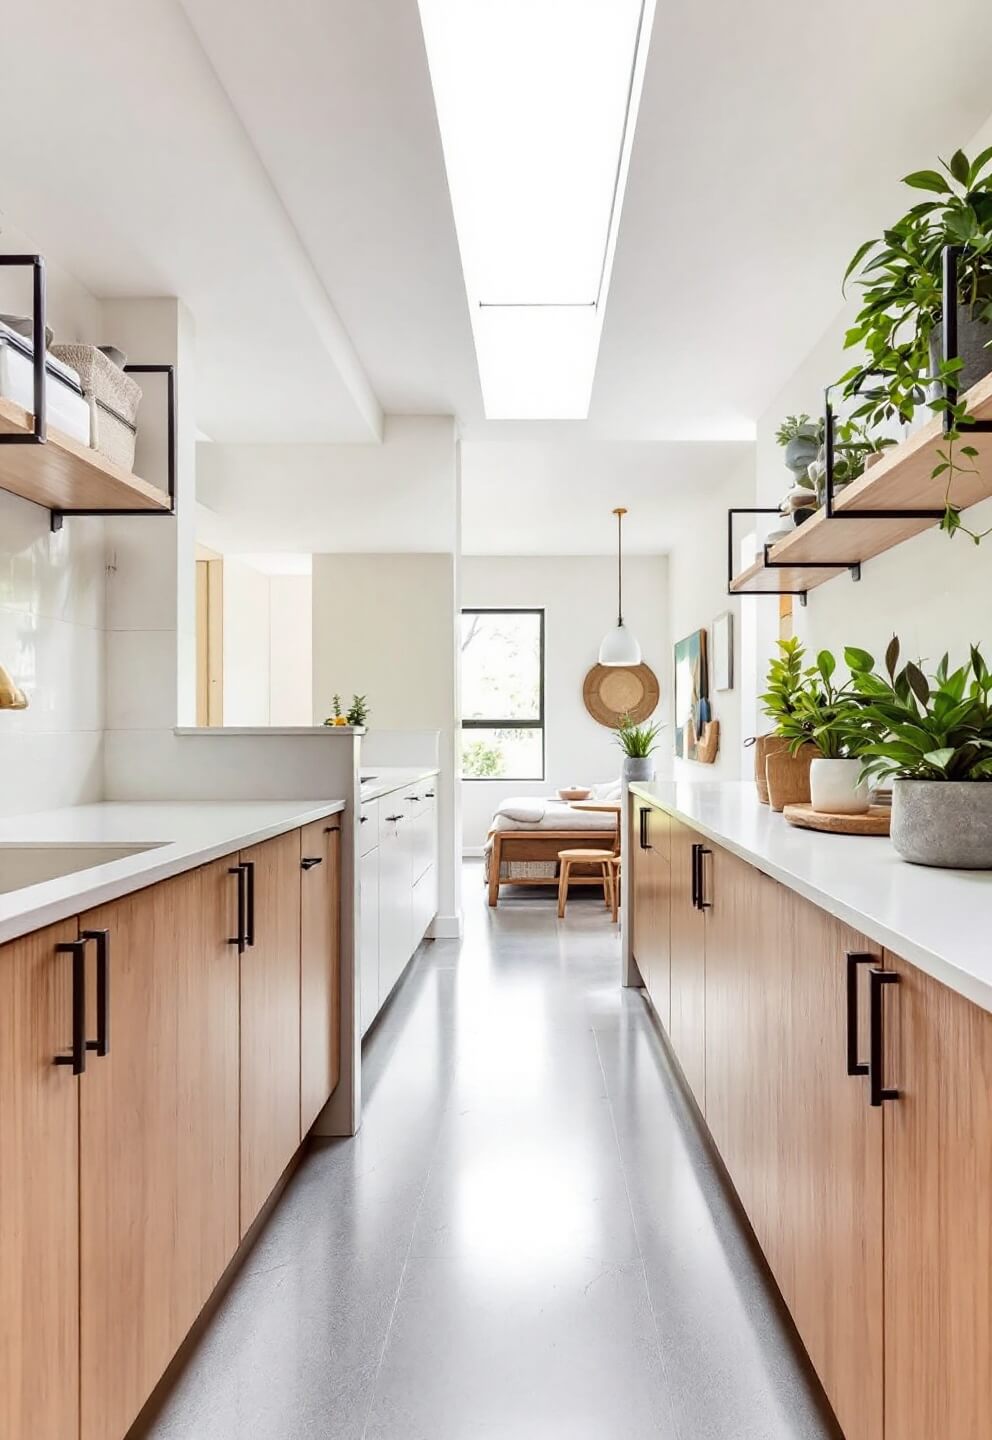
(936,727)
(481,761)
(637,741)
(358,712)
(822,712)
(900,274)
(796,427)
(784,681)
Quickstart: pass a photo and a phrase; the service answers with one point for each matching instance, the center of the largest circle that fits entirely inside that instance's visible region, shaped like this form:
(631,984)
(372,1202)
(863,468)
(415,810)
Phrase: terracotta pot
(764,746)
(788,776)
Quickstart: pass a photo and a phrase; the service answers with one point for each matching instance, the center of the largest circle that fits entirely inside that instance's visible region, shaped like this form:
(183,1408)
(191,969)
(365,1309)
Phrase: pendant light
(619,646)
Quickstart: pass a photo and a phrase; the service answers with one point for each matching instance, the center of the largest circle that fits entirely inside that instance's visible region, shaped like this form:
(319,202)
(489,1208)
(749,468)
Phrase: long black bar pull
(239,939)
(77,1056)
(704,904)
(878,979)
(309,861)
(102,938)
(249,867)
(855,959)
(643,822)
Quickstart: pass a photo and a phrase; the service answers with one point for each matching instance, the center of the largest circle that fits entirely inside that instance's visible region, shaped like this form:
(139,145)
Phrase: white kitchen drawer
(368,827)
(369,938)
(424,905)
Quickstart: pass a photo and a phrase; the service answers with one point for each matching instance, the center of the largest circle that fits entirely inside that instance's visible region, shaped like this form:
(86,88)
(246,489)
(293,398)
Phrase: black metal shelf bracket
(770,564)
(169,371)
(39,431)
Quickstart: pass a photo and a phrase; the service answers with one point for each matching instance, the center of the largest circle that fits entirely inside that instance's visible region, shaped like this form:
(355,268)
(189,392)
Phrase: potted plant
(934,743)
(800,437)
(899,323)
(783,684)
(638,743)
(832,718)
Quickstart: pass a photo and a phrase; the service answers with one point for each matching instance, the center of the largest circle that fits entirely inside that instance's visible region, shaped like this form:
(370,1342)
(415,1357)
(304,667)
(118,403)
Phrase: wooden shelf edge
(65,475)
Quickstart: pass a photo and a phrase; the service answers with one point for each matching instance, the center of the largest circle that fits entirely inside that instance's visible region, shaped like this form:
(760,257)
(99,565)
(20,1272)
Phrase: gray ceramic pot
(973,338)
(801,451)
(638,767)
(943,822)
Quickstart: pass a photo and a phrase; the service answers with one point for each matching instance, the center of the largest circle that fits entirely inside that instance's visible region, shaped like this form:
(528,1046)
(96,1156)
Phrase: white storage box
(67,408)
(113,401)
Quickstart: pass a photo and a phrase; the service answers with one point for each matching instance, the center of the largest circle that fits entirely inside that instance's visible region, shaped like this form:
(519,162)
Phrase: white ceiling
(278,166)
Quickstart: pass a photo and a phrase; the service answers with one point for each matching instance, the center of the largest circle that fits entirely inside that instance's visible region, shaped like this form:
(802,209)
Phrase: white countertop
(194,834)
(938,920)
(388,778)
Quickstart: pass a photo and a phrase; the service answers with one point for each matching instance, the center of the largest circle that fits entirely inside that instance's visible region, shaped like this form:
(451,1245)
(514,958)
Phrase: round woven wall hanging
(612,691)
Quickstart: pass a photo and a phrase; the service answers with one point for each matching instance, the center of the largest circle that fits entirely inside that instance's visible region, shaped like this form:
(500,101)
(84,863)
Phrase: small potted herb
(638,743)
(832,718)
(934,742)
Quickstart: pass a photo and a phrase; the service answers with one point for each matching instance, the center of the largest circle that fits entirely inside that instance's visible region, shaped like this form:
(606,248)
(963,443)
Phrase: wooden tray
(874,822)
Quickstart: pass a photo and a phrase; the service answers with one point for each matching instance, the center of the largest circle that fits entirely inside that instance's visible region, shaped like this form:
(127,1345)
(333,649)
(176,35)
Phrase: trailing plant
(936,727)
(637,741)
(901,277)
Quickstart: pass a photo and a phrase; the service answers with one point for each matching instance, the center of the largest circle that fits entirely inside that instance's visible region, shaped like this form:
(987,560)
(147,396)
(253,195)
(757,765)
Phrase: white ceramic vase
(834,787)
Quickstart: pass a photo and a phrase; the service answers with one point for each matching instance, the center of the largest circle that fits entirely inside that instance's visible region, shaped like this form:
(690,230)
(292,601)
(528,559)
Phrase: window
(503,694)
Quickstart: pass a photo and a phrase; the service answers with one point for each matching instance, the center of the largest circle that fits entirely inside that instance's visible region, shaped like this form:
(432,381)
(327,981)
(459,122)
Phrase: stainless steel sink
(31,864)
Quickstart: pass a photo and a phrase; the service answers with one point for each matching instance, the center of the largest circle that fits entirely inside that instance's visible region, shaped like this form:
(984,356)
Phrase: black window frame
(505,724)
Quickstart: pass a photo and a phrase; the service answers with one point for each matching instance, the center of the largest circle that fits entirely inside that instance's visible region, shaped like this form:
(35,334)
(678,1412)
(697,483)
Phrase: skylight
(536,102)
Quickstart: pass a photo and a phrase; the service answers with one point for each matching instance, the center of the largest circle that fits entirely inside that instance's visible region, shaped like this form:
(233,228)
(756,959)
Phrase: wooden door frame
(209,637)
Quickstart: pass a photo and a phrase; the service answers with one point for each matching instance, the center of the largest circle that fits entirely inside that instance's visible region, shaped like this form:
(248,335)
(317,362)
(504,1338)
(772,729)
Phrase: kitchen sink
(32,864)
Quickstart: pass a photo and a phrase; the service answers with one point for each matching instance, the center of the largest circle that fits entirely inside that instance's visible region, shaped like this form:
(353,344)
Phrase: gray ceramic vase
(801,450)
(638,767)
(947,823)
(973,339)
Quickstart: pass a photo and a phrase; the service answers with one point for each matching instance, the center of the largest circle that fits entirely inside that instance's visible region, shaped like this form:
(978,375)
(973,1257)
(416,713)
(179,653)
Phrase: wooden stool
(615,885)
(568,858)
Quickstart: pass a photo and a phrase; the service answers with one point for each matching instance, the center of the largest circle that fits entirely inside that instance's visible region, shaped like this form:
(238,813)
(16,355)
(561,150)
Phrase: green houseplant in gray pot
(934,742)
(800,437)
(638,743)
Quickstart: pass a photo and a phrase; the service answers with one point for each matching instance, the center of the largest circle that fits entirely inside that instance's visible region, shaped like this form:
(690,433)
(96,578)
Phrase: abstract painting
(692,708)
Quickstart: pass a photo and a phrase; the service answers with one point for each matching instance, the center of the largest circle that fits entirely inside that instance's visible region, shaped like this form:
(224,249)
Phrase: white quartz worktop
(384,779)
(193,833)
(938,920)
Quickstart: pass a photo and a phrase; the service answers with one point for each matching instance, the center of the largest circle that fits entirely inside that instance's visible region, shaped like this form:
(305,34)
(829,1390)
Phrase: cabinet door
(687,1029)
(320,966)
(648,857)
(39,1191)
(638,862)
(270,1021)
(938,1231)
(395,897)
(797,1134)
(369,890)
(158,1127)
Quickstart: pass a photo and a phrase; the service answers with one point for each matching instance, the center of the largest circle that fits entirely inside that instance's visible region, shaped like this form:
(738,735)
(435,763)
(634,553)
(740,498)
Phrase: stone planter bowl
(947,823)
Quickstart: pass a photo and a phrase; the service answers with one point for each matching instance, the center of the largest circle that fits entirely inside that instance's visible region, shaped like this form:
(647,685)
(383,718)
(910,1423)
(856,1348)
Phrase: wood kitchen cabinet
(651,903)
(938,1211)
(39,1199)
(687,1026)
(270,1019)
(158,1131)
(320,966)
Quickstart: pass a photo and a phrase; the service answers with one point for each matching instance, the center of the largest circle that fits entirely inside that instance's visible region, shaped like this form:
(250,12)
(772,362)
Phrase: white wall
(52,603)
(290,650)
(247,644)
(384,626)
(578,595)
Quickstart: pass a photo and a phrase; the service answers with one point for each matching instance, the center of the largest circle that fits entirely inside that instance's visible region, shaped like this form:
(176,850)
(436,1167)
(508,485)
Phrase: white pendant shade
(619,647)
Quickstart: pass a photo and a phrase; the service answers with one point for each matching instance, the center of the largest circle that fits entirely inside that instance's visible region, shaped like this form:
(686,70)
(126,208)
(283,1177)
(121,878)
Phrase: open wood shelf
(900,480)
(65,475)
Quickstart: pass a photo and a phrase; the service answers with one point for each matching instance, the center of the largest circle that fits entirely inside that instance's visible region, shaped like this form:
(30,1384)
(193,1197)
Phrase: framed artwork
(723,651)
(692,706)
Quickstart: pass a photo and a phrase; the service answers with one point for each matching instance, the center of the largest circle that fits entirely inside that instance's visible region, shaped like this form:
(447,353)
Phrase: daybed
(527,834)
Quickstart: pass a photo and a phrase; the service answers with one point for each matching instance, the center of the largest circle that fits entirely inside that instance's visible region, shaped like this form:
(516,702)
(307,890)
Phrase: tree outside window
(503,694)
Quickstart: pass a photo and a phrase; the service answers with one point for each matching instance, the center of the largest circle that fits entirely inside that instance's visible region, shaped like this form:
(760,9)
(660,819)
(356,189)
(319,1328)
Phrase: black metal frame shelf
(38,434)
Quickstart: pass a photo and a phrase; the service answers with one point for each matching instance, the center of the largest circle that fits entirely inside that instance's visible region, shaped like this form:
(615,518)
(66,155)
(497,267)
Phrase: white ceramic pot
(834,787)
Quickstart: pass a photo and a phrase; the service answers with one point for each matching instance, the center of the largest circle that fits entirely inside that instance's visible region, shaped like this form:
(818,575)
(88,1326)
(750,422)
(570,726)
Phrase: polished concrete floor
(527,1240)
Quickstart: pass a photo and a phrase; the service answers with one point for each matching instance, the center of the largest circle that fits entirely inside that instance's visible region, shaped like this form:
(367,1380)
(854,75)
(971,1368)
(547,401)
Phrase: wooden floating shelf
(900,480)
(65,475)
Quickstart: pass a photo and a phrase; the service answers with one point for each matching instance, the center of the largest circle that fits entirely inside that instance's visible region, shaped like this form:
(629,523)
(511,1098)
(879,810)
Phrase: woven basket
(788,776)
(113,399)
(764,746)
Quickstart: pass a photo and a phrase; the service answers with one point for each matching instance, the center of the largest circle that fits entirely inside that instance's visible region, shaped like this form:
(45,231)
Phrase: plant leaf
(928,180)
(918,683)
(960,167)
(857,258)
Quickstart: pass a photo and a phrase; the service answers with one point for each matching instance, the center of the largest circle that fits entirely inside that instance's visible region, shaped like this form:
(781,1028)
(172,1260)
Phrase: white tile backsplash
(53,642)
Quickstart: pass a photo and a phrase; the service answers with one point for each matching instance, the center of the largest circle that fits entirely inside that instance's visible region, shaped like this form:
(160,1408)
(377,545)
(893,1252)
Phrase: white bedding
(528,813)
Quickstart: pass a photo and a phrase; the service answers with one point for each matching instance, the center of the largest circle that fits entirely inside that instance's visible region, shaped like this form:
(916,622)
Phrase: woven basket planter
(788,776)
(764,746)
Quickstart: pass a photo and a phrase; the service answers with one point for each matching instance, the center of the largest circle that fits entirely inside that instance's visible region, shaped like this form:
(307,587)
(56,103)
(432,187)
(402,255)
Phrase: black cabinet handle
(102,1042)
(250,901)
(363,820)
(854,959)
(77,1056)
(644,828)
(877,980)
(704,904)
(414,799)
(394,817)
(694,872)
(428,794)
(309,861)
(334,829)
(698,897)
(239,939)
